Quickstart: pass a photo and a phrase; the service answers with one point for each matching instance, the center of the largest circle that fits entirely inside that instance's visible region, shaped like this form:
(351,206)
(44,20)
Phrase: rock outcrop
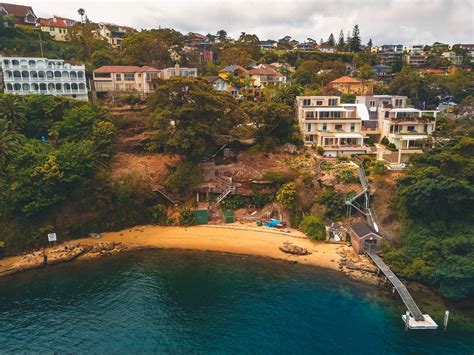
(294,250)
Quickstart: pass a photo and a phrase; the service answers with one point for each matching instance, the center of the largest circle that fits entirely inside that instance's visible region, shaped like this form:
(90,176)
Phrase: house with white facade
(453,57)
(217,83)
(28,75)
(336,127)
(113,34)
(406,128)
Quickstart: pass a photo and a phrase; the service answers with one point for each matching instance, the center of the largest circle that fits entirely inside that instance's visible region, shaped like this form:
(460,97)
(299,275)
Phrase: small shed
(229,217)
(364,238)
(201,216)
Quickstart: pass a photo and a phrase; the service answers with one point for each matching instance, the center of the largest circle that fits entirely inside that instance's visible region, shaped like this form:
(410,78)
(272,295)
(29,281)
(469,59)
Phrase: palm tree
(81,12)
(9,142)
(12,110)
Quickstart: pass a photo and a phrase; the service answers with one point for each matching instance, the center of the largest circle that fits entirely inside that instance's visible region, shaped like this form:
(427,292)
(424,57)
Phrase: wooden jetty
(417,320)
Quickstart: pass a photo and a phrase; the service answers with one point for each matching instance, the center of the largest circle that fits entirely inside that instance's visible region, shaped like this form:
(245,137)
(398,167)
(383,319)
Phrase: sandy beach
(236,239)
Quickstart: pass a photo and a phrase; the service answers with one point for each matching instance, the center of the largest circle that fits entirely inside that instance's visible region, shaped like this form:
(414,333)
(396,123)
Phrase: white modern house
(28,75)
(407,128)
(336,127)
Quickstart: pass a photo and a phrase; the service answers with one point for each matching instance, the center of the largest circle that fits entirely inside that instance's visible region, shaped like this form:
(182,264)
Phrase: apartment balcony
(12,79)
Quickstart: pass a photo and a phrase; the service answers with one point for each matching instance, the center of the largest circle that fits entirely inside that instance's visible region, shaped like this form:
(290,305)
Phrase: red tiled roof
(56,22)
(434,71)
(125,69)
(261,71)
(16,10)
(345,79)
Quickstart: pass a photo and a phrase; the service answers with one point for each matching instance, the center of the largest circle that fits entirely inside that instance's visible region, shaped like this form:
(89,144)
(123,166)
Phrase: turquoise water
(185,302)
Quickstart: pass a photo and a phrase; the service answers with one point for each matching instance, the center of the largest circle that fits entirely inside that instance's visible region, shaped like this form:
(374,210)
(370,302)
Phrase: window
(129,77)
(309,115)
(411,129)
(338,127)
(353,127)
(139,75)
(332,102)
(97,75)
(387,114)
(306,102)
(308,127)
(330,114)
(372,103)
(319,103)
(425,128)
(325,127)
(118,77)
(398,102)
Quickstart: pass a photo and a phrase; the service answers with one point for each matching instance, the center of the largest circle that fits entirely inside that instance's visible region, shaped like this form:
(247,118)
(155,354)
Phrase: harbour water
(187,302)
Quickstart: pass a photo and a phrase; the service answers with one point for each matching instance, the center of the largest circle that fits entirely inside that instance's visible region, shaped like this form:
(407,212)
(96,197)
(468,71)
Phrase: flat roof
(362,111)
(333,109)
(348,135)
(413,137)
(405,109)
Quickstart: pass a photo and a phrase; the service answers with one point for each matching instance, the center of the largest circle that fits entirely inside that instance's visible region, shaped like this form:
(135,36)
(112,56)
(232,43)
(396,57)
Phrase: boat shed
(364,238)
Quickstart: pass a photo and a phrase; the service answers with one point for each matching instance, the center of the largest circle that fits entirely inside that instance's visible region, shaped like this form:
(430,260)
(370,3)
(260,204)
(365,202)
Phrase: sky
(385,21)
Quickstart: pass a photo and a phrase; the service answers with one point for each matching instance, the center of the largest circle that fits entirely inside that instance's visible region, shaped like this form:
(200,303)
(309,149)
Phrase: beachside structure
(405,128)
(349,85)
(22,15)
(30,75)
(114,79)
(336,127)
(58,27)
(364,238)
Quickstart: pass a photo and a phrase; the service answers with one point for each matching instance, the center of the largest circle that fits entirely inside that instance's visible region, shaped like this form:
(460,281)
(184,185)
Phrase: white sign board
(52,237)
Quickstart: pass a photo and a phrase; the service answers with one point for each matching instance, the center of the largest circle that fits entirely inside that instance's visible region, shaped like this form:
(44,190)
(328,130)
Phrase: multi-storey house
(111,79)
(113,34)
(22,15)
(336,127)
(266,75)
(349,85)
(453,57)
(406,128)
(58,27)
(415,60)
(25,76)
(178,71)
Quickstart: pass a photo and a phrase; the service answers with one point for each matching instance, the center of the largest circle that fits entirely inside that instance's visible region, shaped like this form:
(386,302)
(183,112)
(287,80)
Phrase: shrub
(334,202)
(346,175)
(287,195)
(320,150)
(186,217)
(184,178)
(385,141)
(343,158)
(392,146)
(377,167)
(158,214)
(278,178)
(313,227)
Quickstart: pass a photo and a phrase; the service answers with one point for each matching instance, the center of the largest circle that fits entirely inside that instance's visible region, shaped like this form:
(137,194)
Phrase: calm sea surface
(186,302)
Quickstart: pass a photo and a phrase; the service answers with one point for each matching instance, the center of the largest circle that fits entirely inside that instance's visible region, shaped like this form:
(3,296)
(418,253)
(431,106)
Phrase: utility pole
(41,44)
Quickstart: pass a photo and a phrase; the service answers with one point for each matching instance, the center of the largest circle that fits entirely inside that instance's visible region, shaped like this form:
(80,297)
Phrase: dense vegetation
(436,199)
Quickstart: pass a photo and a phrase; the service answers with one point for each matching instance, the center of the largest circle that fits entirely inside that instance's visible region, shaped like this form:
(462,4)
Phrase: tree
(222,36)
(9,142)
(184,179)
(239,55)
(331,41)
(355,41)
(81,13)
(101,57)
(273,122)
(369,44)
(12,110)
(154,47)
(286,94)
(340,43)
(191,118)
(313,227)
(365,72)
(287,195)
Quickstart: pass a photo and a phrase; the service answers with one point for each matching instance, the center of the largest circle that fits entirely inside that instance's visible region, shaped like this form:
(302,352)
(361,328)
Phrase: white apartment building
(23,76)
(454,58)
(407,128)
(336,127)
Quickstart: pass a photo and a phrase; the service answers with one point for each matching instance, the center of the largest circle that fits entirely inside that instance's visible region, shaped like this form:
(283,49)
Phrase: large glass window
(129,77)
(118,77)
(332,102)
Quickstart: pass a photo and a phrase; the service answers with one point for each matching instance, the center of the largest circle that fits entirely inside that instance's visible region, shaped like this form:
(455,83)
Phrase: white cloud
(385,21)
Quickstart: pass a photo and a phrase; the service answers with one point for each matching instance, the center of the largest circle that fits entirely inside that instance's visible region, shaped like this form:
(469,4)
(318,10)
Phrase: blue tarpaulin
(272,223)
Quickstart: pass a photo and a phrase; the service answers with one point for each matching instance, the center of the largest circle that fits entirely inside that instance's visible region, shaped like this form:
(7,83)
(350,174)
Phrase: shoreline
(233,239)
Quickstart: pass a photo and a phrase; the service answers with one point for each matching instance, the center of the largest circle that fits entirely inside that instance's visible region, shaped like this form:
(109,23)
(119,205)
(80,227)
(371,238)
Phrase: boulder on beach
(294,250)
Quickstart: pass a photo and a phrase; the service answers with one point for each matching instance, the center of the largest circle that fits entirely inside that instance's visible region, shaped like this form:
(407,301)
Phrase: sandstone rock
(294,250)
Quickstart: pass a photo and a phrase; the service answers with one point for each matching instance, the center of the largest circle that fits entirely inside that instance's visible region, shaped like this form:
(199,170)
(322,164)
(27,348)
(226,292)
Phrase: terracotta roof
(17,10)
(261,71)
(211,79)
(434,71)
(56,22)
(345,79)
(125,69)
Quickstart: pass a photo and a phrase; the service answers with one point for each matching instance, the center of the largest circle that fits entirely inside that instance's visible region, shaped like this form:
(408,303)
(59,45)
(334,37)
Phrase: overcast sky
(385,21)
